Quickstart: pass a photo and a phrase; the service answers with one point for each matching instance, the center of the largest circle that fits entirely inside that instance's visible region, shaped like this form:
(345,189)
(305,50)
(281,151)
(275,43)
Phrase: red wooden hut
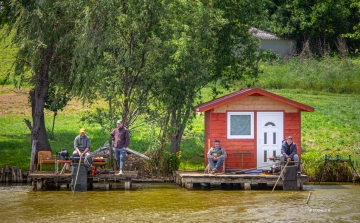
(251,124)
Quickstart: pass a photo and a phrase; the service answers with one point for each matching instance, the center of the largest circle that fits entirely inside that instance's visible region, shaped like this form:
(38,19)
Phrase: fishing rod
(77,173)
(280,176)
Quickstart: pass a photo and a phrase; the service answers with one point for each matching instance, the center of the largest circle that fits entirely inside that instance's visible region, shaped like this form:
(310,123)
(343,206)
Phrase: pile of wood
(13,175)
(139,164)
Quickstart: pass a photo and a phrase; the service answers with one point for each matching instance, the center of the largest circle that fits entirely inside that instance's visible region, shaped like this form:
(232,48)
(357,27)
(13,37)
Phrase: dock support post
(300,185)
(39,184)
(127,184)
(189,185)
(247,186)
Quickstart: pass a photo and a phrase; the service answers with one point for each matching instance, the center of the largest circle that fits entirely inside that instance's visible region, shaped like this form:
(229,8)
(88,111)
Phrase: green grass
(329,74)
(333,128)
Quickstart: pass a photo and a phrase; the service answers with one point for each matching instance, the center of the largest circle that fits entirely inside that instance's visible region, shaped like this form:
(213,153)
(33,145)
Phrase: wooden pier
(191,179)
(41,179)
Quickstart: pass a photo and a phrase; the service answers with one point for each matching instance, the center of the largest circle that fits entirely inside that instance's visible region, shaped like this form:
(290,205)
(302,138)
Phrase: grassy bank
(332,129)
(328,74)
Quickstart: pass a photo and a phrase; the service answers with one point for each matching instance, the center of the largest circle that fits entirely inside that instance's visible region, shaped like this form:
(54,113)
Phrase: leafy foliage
(317,23)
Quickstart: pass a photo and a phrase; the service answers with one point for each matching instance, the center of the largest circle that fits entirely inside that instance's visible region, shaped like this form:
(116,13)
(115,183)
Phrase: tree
(209,43)
(119,43)
(355,34)
(318,23)
(43,33)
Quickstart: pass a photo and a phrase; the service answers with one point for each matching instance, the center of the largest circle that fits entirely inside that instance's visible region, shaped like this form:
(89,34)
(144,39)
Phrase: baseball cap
(119,122)
(82,130)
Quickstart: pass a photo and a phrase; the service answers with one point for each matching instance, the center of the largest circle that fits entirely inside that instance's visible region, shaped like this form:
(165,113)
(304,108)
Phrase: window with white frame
(240,125)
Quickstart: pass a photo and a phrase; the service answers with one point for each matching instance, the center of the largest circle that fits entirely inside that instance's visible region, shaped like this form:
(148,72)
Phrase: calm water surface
(167,202)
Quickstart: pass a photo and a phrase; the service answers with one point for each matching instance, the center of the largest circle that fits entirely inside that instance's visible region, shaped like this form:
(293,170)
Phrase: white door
(270,133)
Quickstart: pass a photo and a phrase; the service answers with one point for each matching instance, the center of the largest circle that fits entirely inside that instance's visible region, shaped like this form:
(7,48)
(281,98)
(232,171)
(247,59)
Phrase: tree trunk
(38,94)
(38,130)
(180,123)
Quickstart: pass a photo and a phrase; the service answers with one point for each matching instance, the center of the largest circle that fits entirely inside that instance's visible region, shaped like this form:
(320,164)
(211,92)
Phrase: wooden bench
(45,158)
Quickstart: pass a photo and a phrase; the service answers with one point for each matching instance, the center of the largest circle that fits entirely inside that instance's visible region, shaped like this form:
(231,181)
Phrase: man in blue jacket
(289,152)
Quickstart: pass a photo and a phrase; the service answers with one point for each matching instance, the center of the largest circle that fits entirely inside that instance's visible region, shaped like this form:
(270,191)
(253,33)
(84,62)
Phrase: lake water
(167,202)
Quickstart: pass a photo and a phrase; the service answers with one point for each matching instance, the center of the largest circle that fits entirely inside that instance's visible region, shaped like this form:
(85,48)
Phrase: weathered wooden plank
(20,176)
(7,172)
(2,178)
(239,147)
(13,174)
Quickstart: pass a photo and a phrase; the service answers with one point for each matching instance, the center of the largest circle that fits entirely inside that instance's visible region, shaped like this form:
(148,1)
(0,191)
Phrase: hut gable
(249,92)
(259,103)
(251,123)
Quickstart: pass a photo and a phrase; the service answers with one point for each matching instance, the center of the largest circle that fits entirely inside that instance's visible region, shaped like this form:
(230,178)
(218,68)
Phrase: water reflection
(167,202)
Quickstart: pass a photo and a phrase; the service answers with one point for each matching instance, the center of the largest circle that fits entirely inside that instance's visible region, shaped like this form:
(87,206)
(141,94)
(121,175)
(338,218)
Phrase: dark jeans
(215,164)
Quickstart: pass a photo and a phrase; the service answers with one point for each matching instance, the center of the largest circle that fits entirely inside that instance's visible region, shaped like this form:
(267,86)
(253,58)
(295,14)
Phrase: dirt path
(14,101)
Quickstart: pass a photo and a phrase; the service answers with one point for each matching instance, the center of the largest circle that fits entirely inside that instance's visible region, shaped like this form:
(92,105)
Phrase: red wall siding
(207,135)
(293,128)
(218,131)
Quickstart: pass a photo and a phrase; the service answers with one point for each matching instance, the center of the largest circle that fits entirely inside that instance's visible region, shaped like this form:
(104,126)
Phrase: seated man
(82,148)
(216,156)
(289,152)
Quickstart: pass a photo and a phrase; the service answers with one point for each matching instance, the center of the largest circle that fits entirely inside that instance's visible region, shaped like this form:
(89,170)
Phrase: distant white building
(283,46)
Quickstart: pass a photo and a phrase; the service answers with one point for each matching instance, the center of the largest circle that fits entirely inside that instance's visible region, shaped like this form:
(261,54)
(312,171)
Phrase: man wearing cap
(82,144)
(289,152)
(121,138)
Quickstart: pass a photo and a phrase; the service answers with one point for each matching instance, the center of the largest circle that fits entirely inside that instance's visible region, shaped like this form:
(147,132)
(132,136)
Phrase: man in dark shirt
(82,147)
(121,138)
(289,152)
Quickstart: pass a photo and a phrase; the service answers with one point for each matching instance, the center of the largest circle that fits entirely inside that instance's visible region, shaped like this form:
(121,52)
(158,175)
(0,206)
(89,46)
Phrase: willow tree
(42,31)
(119,43)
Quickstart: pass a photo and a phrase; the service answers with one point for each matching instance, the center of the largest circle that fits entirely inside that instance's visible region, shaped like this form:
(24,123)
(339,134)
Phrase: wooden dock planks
(40,179)
(188,179)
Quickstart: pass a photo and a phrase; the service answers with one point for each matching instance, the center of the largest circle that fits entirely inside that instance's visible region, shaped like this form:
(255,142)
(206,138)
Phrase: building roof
(265,35)
(249,92)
